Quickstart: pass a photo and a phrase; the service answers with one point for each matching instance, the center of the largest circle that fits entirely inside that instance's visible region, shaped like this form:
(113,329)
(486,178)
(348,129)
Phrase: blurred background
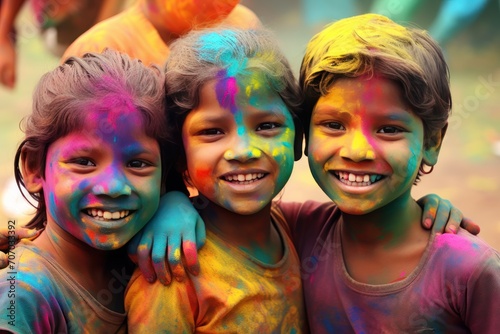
(468,171)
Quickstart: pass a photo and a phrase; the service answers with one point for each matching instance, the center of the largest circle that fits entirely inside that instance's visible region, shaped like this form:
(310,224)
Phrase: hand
(7,63)
(440,215)
(176,222)
(8,238)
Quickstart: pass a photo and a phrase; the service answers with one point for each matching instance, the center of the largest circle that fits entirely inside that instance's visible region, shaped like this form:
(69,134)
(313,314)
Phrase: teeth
(107,214)
(357,180)
(246,178)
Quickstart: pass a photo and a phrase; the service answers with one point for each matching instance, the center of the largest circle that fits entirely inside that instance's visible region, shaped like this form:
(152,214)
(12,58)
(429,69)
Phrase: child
(146,30)
(91,158)
(378,99)
(232,102)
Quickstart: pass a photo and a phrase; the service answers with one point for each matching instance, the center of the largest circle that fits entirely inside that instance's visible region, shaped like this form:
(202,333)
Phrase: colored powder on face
(202,173)
(226,90)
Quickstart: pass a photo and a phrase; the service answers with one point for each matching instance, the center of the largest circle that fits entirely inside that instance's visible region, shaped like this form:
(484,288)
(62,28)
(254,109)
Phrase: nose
(357,147)
(112,183)
(242,148)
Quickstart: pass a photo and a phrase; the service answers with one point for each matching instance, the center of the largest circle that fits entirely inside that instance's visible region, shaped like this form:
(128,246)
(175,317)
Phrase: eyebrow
(399,115)
(329,110)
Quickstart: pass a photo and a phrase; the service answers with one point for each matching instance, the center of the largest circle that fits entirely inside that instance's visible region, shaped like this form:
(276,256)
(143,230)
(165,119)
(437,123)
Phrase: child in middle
(232,101)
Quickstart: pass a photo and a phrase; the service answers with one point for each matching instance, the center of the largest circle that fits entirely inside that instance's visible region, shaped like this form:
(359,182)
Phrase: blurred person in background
(452,17)
(59,23)
(148,27)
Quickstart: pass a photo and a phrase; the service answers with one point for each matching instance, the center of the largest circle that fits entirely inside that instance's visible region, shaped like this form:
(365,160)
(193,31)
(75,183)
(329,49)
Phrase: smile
(243,178)
(357,180)
(107,215)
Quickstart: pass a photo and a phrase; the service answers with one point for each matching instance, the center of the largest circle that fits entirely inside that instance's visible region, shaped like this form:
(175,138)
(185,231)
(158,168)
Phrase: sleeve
(26,309)
(155,308)
(483,296)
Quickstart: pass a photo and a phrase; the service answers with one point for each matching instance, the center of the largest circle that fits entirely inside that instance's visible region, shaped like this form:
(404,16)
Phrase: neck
(253,234)
(85,264)
(388,227)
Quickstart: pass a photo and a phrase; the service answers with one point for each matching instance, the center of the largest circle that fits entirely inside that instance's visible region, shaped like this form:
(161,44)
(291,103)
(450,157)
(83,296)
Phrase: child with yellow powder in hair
(377,100)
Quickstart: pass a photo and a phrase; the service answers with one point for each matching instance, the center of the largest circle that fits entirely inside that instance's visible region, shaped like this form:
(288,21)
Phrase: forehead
(111,114)
(361,92)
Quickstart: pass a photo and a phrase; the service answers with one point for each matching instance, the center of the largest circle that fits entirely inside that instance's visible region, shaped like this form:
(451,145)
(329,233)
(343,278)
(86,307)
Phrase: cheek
(200,175)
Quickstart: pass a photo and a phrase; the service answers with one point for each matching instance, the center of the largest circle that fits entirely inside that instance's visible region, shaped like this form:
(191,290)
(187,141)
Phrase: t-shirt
(233,293)
(39,296)
(454,289)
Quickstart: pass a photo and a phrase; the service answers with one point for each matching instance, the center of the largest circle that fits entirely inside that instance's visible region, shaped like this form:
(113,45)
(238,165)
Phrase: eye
(82,162)
(210,132)
(391,130)
(138,164)
(334,125)
(268,126)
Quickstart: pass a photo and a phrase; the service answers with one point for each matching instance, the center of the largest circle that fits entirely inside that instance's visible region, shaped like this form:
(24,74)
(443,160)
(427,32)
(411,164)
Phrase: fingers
(158,257)
(8,77)
(470,226)
(7,240)
(429,206)
(174,258)
(201,235)
(190,254)
(4,261)
(454,219)
(27,233)
(442,216)
(144,261)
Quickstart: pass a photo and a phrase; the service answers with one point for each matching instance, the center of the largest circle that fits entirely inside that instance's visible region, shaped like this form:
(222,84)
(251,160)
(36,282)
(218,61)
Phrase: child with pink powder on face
(94,158)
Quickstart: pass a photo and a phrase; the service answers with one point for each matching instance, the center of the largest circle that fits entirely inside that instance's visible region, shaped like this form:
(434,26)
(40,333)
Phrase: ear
(431,153)
(32,176)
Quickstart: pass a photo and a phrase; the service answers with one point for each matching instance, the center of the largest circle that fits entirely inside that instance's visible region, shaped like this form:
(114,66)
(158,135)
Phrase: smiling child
(232,102)
(92,159)
(377,99)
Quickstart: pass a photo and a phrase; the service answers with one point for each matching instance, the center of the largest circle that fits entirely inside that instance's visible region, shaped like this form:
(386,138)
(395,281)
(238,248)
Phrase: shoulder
(31,271)
(28,291)
(465,252)
(109,33)
(242,17)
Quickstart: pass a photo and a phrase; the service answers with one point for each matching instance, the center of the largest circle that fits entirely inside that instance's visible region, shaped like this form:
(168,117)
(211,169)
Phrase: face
(239,144)
(365,144)
(183,15)
(102,184)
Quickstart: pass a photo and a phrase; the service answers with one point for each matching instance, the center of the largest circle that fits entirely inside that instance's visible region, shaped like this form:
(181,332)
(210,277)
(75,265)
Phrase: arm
(8,13)
(29,304)
(175,223)
(482,296)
